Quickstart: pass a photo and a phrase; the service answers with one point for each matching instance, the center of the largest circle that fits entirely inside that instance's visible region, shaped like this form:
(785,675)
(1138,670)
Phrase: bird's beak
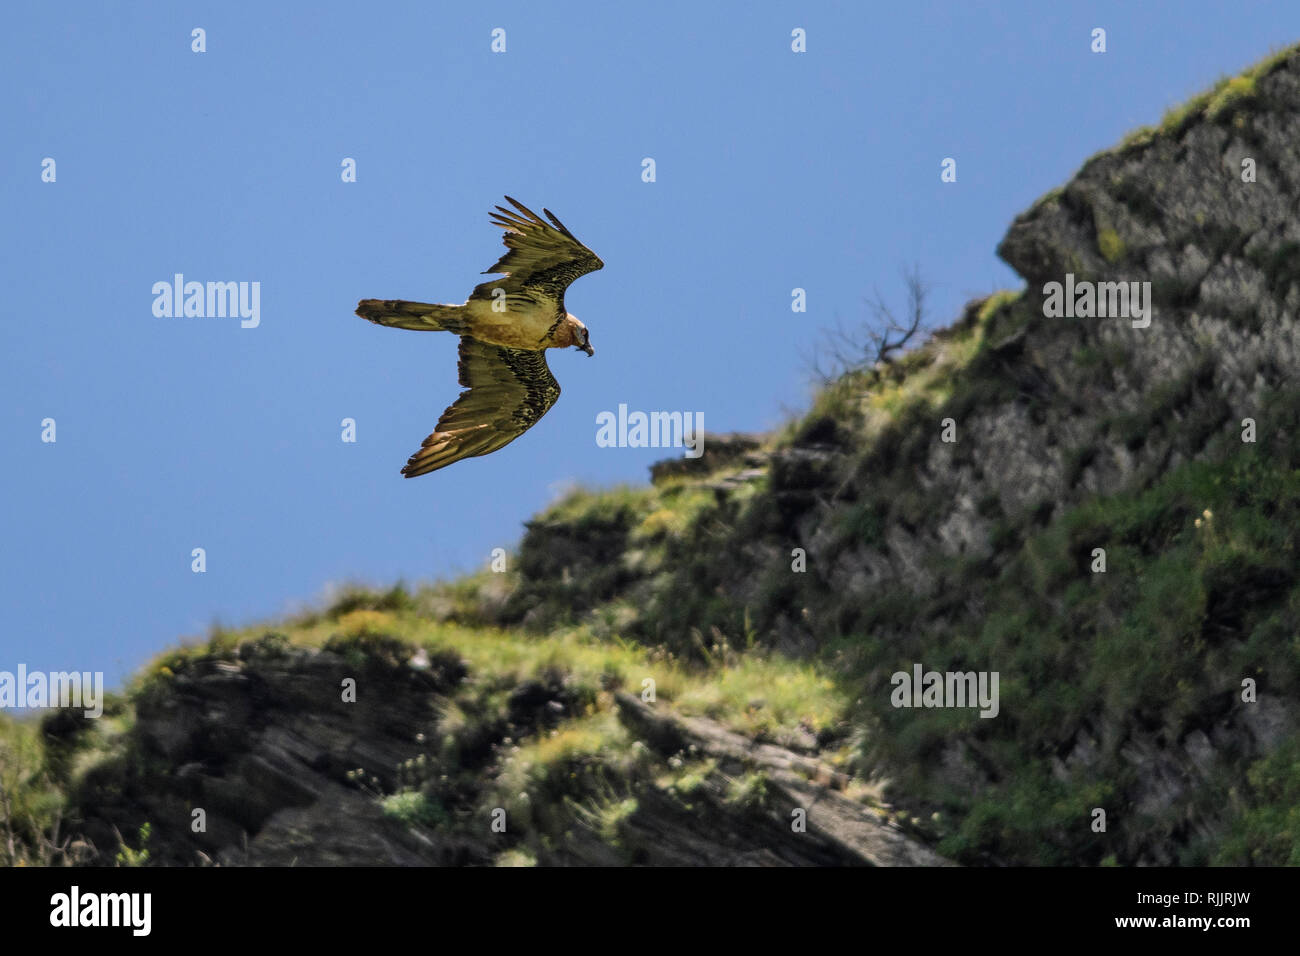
(587,348)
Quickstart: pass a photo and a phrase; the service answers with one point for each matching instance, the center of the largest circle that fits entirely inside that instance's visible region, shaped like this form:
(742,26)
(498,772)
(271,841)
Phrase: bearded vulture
(505,328)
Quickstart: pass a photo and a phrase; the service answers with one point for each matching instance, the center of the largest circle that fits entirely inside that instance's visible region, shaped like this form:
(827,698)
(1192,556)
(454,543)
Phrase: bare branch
(876,340)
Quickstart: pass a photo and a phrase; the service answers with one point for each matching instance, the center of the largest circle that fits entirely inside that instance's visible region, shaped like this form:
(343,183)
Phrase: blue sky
(775,170)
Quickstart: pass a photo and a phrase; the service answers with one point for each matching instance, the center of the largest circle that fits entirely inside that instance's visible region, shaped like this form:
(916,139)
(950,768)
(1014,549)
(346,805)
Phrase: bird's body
(524,323)
(505,327)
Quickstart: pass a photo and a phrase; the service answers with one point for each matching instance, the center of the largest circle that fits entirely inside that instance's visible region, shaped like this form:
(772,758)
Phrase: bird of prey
(505,328)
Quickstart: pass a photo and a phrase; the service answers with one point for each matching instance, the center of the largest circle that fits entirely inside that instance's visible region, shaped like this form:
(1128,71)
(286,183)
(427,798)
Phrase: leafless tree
(876,339)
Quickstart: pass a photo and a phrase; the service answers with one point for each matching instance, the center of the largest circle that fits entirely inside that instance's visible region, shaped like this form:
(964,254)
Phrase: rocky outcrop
(841,830)
(720,452)
(910,541)
(257,759)
(282,769)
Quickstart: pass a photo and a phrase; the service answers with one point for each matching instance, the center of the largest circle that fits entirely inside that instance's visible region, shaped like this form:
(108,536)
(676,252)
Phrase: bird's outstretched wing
(540,254)
(507,391)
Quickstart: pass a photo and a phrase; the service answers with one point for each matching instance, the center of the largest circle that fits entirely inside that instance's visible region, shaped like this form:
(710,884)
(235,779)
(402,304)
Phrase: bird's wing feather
(540,253)
(507,391)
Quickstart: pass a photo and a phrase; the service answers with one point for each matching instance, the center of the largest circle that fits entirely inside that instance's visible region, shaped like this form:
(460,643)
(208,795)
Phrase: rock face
(265,745)
(1069,434)
(1207,214)
(285,772)
(841,832)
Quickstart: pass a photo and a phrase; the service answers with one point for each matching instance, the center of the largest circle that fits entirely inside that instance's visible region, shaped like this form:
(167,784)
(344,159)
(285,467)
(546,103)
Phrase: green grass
(414,808)
(749,792)
(585,507)
(1200,590)
(766,698)
(1226,98)
(1229,95)
(1268,832)
(1110,245)
(30,802)
(579,770)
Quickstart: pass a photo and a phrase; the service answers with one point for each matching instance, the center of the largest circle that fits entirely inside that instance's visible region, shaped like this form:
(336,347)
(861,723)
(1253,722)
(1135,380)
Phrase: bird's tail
(420,316)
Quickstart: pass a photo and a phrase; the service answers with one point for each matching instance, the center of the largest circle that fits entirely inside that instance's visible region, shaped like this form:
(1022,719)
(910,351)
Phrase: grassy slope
(581,769)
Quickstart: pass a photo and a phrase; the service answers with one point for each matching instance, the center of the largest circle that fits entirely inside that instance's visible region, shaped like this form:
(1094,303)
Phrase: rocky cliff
(248,753)
(1169,444)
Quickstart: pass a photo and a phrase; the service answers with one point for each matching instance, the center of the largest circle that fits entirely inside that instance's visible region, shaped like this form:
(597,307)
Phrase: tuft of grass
(1178,118)
(31,803)
(1138,137)
(543,779)
(127,856)
(999,301)
(366,623)
(354,597)
(749,792)
(605,816)
(414,808)
(1229,95)
(766,698)
(690,778)
(518,856)
(363,646)
(585,507)
(1110,245)
(1221,101)
(678,509)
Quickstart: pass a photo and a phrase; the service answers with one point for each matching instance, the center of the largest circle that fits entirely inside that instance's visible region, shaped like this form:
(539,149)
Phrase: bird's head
(578,336)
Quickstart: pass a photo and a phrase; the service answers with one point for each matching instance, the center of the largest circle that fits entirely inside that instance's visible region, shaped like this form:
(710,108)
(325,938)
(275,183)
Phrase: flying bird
(505,327)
